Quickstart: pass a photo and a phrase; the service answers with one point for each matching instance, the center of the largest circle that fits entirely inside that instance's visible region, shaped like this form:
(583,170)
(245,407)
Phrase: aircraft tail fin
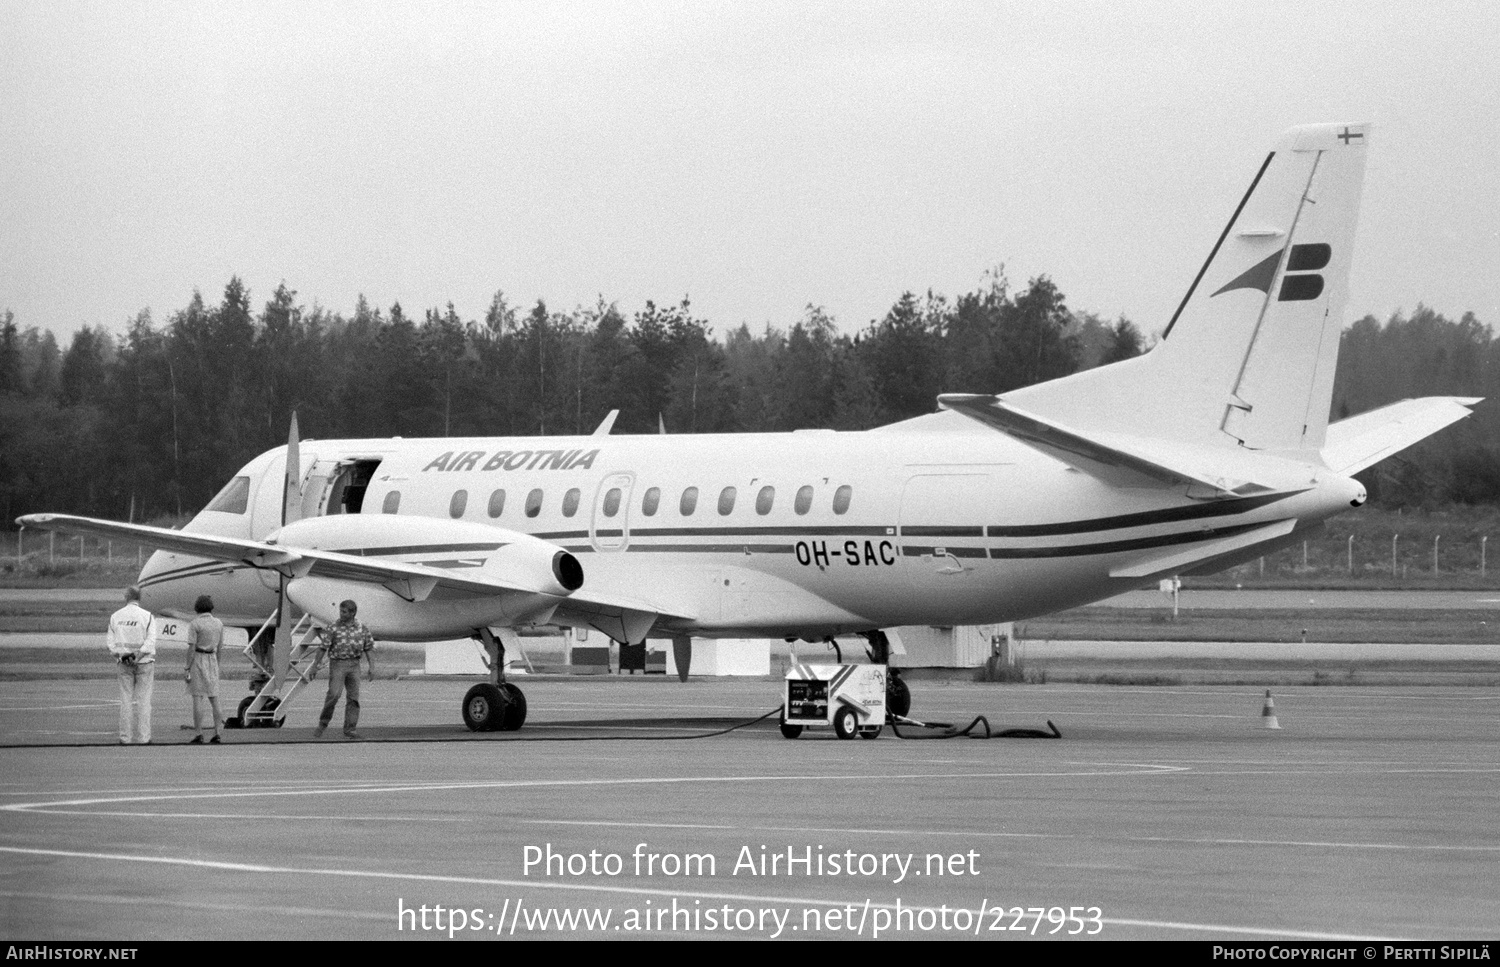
(1248,358)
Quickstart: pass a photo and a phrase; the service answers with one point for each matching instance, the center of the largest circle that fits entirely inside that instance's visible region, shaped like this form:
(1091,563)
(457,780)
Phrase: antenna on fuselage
(606,424)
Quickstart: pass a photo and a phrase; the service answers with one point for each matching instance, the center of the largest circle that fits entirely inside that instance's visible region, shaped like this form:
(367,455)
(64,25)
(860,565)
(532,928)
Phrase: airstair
(267,707)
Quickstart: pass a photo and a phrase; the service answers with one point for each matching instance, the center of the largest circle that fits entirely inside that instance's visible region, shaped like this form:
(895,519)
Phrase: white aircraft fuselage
(802,534)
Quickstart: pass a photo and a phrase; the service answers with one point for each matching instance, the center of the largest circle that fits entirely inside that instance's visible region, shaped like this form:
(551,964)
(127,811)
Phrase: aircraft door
(609,525)
(323,478)
(336,486)
(943,517)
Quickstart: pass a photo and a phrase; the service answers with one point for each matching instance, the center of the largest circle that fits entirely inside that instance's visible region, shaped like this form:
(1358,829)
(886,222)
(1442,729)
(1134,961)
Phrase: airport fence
(1389,546)
(47,553)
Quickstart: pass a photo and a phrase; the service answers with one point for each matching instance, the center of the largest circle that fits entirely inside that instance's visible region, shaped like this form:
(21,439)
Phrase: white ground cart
(850,698)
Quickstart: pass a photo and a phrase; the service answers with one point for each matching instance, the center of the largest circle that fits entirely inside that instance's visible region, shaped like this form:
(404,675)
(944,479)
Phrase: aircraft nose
(152,596)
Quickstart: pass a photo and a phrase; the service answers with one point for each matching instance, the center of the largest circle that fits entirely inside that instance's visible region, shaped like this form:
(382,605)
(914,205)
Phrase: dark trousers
(343,673)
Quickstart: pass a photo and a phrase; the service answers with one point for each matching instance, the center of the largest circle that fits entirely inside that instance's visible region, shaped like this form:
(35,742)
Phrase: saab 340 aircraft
(1212,449)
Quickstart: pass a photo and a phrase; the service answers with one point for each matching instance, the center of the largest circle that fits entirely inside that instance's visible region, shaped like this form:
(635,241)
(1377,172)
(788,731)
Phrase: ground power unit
(848,698)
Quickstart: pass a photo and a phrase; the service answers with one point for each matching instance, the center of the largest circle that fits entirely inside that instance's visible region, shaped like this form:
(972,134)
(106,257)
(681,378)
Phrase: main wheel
(261,722)
(897,696)
(514,715)
(237,721)
(790,730)
(484,708)
(845,723)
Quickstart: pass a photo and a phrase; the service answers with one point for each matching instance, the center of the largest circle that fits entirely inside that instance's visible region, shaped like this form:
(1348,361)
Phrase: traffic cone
(1268,713)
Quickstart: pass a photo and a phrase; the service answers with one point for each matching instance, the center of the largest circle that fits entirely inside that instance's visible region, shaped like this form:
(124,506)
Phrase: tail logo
(1307,284)
(1299,283)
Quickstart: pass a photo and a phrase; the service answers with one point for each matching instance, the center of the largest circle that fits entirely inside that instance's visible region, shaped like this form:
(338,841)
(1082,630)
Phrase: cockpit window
(234,498)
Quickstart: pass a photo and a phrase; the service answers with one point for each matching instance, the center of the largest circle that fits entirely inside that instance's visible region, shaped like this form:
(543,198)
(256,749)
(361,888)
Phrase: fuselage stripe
(1165,516)
(953,531)
(193,570)
(1114,547)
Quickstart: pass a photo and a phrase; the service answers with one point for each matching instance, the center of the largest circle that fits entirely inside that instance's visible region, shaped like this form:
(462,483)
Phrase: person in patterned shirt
(346,642)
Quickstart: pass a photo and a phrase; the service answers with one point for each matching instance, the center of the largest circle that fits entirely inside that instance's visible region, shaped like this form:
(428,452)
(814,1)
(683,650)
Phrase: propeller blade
(291,498)
(291,510)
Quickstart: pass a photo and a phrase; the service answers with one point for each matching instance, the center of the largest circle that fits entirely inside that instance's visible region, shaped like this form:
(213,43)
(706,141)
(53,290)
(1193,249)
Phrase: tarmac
(1161,812)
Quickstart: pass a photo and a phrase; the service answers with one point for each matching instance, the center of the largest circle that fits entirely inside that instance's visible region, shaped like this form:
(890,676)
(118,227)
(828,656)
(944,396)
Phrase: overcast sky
(756,157)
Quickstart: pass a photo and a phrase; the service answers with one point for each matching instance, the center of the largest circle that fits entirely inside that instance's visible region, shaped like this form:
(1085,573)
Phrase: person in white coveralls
(132,641)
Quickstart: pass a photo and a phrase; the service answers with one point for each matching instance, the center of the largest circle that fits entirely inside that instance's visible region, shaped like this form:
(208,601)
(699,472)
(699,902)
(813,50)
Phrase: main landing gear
(897,695)
(495,705)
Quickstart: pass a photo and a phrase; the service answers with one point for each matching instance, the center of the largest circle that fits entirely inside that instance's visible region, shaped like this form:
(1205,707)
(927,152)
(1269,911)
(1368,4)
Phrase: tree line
(151,422)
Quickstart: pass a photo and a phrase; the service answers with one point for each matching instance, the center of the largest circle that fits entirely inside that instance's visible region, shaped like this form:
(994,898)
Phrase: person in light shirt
(131,639)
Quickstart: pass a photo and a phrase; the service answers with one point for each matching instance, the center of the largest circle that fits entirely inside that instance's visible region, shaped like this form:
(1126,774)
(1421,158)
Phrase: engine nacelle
(540,574)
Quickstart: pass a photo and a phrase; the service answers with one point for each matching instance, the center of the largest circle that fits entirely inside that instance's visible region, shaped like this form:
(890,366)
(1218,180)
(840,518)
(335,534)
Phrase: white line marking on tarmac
(625,890)
(236,786)
(59,806)
(257,816)
(55,708)
(611,822)
(992,834)
(1216,928)
(240,906)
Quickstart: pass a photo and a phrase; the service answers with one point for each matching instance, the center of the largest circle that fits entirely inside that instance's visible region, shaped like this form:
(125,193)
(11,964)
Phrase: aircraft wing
(1361,441)
(412,581)
(253,553)
(1118,461)
(621,618)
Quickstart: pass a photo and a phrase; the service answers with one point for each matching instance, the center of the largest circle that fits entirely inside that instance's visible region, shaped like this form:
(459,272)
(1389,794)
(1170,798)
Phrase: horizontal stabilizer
(1116,459)
(1176,562)
(1364,440)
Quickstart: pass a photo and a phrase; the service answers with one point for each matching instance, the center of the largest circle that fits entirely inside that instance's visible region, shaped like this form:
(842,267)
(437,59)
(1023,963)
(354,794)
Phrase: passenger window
(804,500)
(841,498)
(650,502)
(392,502)
(458,503)
(497,503)
(233,499)
(726,501)
(612,502)
(764,500)
(534,502)
(689,501)
(570,502)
